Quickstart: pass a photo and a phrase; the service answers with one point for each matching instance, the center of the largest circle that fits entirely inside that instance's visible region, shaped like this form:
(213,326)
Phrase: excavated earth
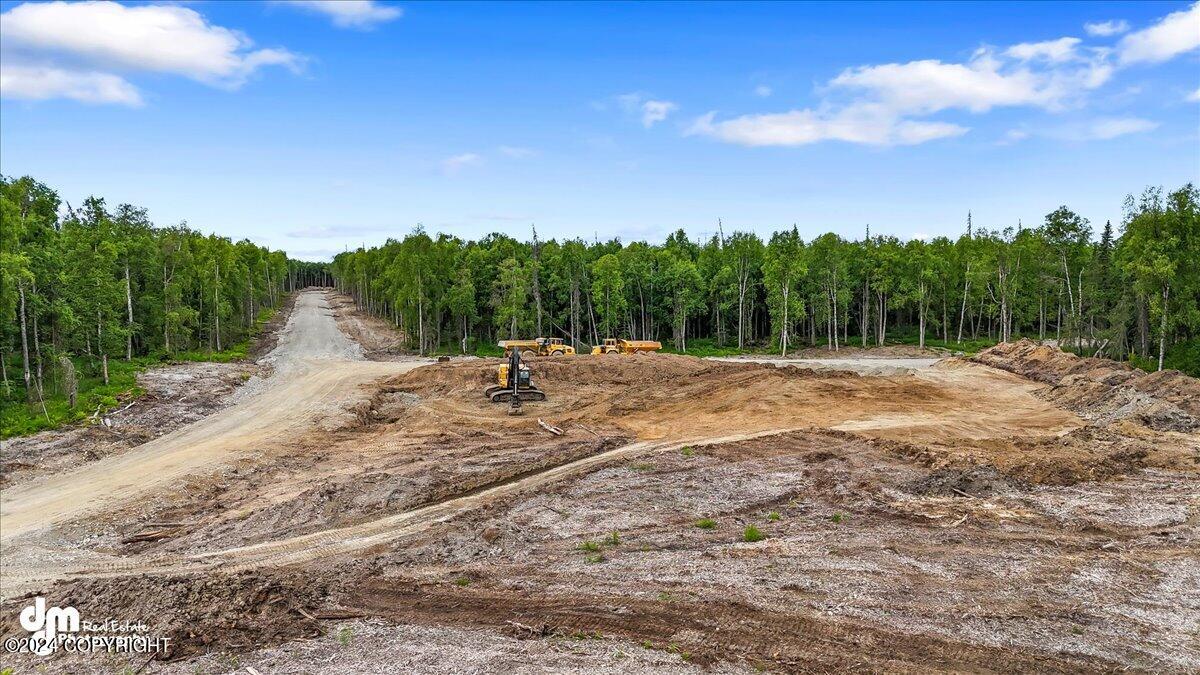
(1020,510)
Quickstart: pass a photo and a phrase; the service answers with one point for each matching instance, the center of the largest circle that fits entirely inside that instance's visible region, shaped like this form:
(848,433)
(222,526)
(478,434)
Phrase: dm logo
(46,624)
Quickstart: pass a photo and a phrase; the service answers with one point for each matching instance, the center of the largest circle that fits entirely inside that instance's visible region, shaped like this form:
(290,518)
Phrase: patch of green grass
(594,558)
(752,534)
(462,581)
(345,636)
(613,538)
(674,649)
(774,515)
(590,546)
(665,597)
(687,451)
(643,466)
(706,523)
(836,518)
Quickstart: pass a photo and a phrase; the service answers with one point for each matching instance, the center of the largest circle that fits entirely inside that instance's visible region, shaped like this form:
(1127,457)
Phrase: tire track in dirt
(362,536)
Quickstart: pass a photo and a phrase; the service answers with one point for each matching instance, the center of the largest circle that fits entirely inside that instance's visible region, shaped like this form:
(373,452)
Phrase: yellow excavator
(513,385)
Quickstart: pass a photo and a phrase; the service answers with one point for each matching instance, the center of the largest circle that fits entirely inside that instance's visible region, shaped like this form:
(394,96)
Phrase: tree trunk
(1162,335)
(4,374)
(783,336)
(166,312)
(128,315)
(962,315)
(921,312)
(24,341)
(217,303)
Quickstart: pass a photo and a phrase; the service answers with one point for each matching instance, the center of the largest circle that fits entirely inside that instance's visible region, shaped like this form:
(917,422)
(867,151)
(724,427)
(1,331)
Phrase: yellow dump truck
(619,346)
(537,347)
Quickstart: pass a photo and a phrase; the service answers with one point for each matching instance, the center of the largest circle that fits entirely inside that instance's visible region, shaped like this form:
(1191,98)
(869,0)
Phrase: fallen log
(552,429)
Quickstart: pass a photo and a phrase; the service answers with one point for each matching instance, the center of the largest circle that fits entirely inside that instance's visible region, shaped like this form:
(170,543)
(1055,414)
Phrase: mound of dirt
(1102,390)
(202,612)
(632,370)
(977,481)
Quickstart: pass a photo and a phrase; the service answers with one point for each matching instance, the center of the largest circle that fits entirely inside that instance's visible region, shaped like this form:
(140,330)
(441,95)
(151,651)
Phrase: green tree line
(85,285)
(1129,291)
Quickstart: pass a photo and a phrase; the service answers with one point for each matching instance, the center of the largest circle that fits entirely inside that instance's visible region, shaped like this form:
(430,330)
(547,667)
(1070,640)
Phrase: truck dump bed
(639,345)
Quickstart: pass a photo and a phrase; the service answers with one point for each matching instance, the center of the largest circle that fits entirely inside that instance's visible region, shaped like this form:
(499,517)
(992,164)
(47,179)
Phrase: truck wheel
(528,354)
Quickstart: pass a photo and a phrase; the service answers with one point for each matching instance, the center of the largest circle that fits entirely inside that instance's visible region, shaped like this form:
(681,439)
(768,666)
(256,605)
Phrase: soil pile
(632,370)
(198,612)
(1102,390)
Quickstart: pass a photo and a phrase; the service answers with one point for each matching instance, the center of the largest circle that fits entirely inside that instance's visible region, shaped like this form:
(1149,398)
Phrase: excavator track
(506,395)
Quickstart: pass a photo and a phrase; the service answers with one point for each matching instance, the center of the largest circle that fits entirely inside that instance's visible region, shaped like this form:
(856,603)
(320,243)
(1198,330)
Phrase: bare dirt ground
(380,340)
(1022,510)
(176,395)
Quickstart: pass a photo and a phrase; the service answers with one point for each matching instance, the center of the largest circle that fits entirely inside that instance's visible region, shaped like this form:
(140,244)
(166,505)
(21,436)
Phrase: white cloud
(867,124)
(325,232)
(155,38)
(1104,129)
(455,164)
(1194,97)
(650,111)
(984,82)
(1175,34)
(360,14)
(1054,51)
(516,152)
(1106,28)
(1014,136)
(656,111)
(42,82)
(762,91)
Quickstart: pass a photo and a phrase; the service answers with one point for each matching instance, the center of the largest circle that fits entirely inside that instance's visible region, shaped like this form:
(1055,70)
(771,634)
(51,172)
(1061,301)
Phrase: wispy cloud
(1103,129)
(45,82)
(455,164)
(335,231)
(1194,97)
(1054,51)
(1177,33)
(865,124)
(101,39)
(358,14)
(650,111)
(1014,136)
(1106,28)
(762,91)
(516,152)
(889,104)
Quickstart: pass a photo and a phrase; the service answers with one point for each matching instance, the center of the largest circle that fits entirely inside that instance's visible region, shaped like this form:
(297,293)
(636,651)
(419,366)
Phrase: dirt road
(318,372)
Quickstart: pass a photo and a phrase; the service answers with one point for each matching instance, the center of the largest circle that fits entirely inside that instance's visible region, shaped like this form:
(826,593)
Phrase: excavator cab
(513,384)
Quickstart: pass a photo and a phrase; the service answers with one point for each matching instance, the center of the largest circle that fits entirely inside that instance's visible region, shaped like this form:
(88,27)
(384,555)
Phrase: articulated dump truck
(619,346)
(537,347)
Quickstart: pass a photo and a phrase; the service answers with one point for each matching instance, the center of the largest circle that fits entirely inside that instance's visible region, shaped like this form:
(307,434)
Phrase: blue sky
(312,127)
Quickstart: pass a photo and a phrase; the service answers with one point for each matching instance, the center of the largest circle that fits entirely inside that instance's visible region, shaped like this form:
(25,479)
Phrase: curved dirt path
(353,538)
(317,372)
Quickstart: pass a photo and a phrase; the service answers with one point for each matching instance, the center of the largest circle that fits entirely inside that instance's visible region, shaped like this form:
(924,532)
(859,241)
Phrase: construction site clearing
(354,509)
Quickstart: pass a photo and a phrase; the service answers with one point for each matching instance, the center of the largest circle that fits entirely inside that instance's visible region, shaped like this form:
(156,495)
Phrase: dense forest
(84,285)
(1126,290)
